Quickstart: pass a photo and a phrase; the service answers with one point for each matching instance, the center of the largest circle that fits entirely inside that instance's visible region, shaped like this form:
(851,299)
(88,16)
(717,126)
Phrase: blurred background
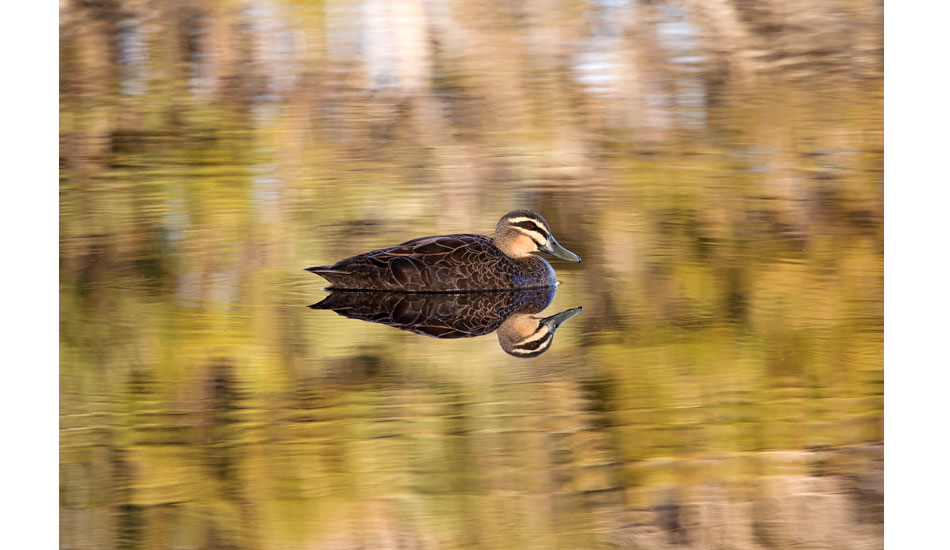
(718,165)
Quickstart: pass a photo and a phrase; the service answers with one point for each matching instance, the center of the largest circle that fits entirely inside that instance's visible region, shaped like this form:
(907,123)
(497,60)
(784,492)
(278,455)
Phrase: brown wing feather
(443,315)
(426,264)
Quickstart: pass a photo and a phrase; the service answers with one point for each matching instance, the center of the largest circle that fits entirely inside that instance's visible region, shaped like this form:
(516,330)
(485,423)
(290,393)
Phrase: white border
(29,225)
(917,240)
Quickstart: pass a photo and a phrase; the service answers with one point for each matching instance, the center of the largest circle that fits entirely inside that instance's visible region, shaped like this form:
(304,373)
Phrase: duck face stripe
(531,228)
(534,343)
(531,224)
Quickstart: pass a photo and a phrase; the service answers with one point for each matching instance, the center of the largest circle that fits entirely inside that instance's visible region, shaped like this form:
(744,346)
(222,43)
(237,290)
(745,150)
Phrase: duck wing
(427,264)
(441,315)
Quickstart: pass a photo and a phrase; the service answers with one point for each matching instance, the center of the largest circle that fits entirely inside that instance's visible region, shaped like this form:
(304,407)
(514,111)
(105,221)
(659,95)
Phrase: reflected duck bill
(556,320)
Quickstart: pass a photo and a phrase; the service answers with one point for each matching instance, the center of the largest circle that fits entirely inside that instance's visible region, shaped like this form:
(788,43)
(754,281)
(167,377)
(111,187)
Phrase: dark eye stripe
(532,346)
(531,226)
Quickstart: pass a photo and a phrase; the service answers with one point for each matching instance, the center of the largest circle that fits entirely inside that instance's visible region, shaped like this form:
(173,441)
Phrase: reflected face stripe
(541,339)
(535,346)
(539,333)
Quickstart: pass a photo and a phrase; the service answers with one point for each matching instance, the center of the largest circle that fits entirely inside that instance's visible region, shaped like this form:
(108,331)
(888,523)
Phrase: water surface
(721,178)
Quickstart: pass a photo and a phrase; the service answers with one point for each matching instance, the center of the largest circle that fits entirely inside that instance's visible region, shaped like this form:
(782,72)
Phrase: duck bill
(558,251)
(555,321)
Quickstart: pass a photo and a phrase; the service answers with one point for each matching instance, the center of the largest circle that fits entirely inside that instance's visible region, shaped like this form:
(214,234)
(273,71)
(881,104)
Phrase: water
(722,387)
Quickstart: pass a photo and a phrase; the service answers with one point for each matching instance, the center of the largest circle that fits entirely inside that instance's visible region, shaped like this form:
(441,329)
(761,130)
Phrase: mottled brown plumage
(442,315)
(459,315)
(459,262)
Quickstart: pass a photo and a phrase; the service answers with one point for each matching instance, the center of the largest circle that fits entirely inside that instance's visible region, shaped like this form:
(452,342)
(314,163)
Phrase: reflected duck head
(526,336)
(520,233)
(459,315)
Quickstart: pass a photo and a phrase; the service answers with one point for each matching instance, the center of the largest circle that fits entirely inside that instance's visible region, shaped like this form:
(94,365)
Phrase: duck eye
(530,226)
(535,344)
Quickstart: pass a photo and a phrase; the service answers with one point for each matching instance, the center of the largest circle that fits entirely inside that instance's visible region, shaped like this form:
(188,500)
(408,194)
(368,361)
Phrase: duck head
(525,336)
(520,233)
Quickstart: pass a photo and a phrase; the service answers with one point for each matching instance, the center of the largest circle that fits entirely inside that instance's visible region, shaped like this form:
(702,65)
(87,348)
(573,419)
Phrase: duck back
(445,263)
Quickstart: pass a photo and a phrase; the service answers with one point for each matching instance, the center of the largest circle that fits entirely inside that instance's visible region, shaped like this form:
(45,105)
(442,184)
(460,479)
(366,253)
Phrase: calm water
(721,178)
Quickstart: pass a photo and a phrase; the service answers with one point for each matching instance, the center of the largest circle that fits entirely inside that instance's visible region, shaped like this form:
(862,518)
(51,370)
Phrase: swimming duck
(459,262)
(460,315)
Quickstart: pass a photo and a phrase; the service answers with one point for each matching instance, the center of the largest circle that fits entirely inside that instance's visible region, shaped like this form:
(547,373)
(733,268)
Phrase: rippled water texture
(717,165)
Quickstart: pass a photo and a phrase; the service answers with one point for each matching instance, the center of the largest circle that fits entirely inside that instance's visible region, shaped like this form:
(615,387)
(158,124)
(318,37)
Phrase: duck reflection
(462,315)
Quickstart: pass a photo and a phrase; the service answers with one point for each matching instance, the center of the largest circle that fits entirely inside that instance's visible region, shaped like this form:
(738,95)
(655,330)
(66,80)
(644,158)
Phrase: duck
(460,315)
(460,262)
